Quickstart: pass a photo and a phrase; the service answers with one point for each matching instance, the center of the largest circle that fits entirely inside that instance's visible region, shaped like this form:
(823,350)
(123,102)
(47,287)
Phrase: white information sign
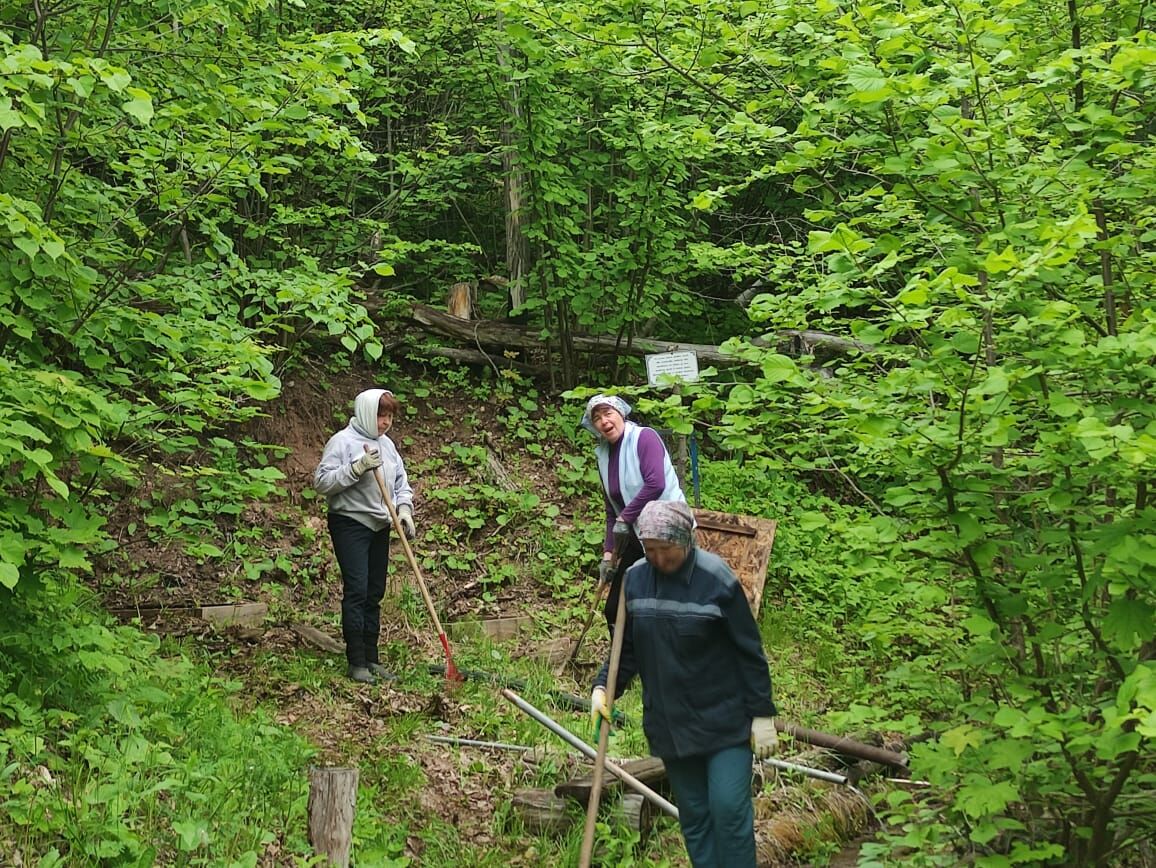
(680,364)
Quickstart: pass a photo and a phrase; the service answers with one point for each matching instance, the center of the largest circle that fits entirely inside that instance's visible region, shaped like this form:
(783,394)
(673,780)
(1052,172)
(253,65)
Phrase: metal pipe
(496,745)
(818,774)
(587,751)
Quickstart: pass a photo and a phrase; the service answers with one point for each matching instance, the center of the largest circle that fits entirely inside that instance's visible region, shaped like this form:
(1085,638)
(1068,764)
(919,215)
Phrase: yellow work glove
(598,708)
(764,738)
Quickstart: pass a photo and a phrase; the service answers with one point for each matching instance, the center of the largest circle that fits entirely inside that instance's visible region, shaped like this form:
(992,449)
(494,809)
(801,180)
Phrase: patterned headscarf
(669,520)
(612,401)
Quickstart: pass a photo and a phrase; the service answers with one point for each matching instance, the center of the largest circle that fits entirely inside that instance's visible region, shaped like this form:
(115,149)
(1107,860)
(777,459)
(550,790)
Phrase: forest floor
(354,724)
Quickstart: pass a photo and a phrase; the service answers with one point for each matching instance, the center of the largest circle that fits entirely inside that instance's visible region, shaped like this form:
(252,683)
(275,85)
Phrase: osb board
(744,542)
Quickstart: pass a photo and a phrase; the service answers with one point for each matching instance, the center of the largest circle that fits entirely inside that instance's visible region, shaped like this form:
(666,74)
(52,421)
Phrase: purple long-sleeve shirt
(652,463)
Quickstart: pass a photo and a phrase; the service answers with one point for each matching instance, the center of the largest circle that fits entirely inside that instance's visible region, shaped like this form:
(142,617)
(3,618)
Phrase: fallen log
(649,770)
(542,812)
(501,336)
(842,745)
(575,742)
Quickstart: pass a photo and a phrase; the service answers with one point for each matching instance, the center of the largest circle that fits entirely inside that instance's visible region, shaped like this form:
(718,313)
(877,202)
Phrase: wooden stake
(332,803)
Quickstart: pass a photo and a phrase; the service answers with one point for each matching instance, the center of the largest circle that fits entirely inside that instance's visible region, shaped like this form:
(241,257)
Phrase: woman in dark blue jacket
(691,639)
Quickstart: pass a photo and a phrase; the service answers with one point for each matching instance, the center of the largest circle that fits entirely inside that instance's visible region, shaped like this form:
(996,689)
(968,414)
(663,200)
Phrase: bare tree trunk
(513,180)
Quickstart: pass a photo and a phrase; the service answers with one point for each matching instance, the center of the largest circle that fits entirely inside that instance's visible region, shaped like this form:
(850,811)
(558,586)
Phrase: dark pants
(363,556)
(715,810)
(626,558)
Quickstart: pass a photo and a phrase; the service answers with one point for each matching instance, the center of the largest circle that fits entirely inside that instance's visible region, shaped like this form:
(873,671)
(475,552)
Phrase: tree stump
(637,813)
(460,303)
(542,812)
(332,802)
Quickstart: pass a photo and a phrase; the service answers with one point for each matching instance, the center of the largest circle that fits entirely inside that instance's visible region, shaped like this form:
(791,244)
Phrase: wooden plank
(649,770)
(744,542)
(237,613)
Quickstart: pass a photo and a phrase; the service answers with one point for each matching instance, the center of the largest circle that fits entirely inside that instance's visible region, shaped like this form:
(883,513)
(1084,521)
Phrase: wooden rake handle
(408,551)
(604,732)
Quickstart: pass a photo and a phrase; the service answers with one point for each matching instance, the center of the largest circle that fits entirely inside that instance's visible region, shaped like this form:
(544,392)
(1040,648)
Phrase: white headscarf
(364,419)
(612,401)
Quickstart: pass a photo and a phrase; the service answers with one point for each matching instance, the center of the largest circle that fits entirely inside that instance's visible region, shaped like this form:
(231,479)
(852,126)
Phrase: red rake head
(452,673)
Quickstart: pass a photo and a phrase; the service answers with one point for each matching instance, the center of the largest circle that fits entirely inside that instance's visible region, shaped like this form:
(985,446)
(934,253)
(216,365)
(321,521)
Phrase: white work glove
(598,709)
(368,461)
(405,519)
(764,738)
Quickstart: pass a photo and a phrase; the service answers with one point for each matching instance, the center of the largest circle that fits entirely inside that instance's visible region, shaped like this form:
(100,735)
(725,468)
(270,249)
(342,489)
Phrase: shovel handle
(408,552)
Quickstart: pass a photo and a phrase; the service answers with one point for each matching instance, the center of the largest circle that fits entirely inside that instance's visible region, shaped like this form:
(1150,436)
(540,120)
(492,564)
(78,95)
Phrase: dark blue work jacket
(690,637)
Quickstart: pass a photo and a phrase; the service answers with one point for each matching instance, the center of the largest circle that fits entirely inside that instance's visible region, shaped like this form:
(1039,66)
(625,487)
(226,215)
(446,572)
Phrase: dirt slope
(327,709)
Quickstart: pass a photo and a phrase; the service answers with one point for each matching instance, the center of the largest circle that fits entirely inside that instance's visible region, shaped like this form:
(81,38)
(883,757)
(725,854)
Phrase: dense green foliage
(194,197)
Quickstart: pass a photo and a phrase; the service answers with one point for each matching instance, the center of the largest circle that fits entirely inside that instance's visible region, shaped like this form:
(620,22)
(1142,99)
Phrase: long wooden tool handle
(604,732)
(594,605)
(408,552)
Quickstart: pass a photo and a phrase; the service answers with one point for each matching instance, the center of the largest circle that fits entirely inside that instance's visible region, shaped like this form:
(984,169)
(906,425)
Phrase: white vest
(630,479)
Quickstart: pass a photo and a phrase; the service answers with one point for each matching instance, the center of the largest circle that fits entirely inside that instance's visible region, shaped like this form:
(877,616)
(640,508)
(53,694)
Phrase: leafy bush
(110,751)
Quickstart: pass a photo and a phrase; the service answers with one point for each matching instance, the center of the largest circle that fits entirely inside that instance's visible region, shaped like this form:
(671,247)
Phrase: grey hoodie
(359,497)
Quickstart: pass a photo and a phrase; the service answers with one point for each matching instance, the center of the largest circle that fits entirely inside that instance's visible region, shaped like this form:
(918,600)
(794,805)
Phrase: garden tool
(619,567)
(587,751)
(595,605)
(452,673)
(603,732)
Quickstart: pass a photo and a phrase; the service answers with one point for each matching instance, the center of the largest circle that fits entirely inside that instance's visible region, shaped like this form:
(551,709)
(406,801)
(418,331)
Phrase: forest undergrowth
(168,741)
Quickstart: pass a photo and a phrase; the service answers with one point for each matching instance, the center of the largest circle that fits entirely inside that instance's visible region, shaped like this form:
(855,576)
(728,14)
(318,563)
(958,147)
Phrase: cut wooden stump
(332,804)
(542,812)
(245,614)
(318,639)
(636,813)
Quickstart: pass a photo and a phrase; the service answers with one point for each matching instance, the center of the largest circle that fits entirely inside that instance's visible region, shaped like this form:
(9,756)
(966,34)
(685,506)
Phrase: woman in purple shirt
(635,469)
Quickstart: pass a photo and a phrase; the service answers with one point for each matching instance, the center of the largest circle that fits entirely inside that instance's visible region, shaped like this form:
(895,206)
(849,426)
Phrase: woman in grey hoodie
(359,521)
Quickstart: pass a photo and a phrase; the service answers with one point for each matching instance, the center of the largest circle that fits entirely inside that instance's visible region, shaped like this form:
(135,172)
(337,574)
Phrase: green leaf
(9,117)
(140,106)
(9,575)
(1129,623)
(984,797)
(962,737)
(115,79)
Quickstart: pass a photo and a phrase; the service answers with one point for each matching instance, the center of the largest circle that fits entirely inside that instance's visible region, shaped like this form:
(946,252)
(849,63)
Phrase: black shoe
(361,673)
(379,671)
